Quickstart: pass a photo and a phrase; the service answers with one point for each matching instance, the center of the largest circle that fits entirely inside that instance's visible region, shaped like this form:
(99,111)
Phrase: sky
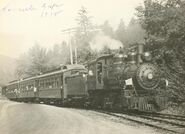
(26,22)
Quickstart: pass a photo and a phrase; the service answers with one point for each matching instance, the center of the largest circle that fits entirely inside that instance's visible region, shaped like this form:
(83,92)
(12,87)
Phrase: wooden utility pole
(69,31)
(76,56)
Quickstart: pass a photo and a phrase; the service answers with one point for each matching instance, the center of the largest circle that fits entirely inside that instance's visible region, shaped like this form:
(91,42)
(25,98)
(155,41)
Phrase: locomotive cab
(102,65)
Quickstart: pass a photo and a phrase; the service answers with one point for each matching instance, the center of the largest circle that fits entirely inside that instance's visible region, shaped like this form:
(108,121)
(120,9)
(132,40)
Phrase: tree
(84,35)
(107,29)
(131,34)
(164,24)
(58,55)
(84,25)
(135,33)
(34,62)
(65,59)
(38,58)
(120,33)
(23,64)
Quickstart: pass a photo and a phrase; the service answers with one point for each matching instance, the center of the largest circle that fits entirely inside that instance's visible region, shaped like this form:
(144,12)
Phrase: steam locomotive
(126,81)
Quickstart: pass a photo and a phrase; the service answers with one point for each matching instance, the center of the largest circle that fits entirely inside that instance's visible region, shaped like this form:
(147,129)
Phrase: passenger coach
(49,87)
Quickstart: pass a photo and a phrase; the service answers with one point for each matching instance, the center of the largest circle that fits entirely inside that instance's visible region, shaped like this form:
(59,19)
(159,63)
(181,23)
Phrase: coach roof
(64,68)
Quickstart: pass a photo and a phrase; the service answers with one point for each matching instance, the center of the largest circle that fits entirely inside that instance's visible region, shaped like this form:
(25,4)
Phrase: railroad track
(166,122)
(165,116)
(151,121)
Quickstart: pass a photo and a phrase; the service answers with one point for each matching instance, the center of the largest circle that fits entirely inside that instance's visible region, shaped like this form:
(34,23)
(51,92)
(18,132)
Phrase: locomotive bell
(147,57)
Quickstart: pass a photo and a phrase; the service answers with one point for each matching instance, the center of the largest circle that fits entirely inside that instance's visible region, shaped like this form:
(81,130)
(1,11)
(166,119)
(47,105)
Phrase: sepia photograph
(92,66)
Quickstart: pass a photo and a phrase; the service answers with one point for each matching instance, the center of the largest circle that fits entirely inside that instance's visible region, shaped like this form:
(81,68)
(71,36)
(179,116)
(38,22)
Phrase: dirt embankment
(175,109)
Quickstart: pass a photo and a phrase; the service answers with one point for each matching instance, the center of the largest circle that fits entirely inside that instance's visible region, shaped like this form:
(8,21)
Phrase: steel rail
(140,122)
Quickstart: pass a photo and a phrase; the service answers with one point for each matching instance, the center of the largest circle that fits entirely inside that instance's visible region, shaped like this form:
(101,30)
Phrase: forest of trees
(38,59)
(159,24)
(164,23)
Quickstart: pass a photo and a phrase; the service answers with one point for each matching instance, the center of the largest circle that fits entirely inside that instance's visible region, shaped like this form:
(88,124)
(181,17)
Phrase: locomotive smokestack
(140,52)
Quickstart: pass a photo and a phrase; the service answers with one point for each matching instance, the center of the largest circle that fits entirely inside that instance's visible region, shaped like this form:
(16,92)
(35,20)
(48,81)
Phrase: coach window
(57,81)
(52,82)
(23,87)
(40,84)
(62,80)
(44,81)
(65,80)
(99,71)
(47,83)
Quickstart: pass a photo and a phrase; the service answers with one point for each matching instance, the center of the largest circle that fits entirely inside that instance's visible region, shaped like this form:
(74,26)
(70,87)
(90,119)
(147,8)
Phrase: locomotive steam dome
(148,76)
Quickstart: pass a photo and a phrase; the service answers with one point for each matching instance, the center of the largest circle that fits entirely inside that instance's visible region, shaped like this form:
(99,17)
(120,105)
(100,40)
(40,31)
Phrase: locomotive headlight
(120,56)
(146,54)
(150,76)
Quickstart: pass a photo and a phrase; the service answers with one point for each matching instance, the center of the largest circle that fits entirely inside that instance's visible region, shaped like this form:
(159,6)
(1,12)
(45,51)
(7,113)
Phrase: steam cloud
(101,40)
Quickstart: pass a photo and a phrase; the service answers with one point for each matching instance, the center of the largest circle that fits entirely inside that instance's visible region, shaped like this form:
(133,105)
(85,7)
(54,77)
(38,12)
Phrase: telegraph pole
(69,31)
(70,49)
(75,48)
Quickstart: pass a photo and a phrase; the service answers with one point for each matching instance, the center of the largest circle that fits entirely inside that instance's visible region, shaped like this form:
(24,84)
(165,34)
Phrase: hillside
(7,69)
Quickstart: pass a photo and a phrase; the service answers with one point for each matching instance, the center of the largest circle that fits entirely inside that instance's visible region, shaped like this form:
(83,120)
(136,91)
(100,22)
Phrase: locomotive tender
(113,81)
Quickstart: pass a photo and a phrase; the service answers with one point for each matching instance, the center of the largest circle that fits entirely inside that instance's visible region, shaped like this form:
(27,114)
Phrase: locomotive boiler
(125,81)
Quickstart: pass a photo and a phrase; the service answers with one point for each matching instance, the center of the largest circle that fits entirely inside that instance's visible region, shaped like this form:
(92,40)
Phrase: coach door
(65,75)
(36,89)
(99,74)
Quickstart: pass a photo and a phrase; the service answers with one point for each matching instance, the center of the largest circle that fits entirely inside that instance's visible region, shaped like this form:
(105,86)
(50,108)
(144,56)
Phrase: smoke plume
(101,40)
